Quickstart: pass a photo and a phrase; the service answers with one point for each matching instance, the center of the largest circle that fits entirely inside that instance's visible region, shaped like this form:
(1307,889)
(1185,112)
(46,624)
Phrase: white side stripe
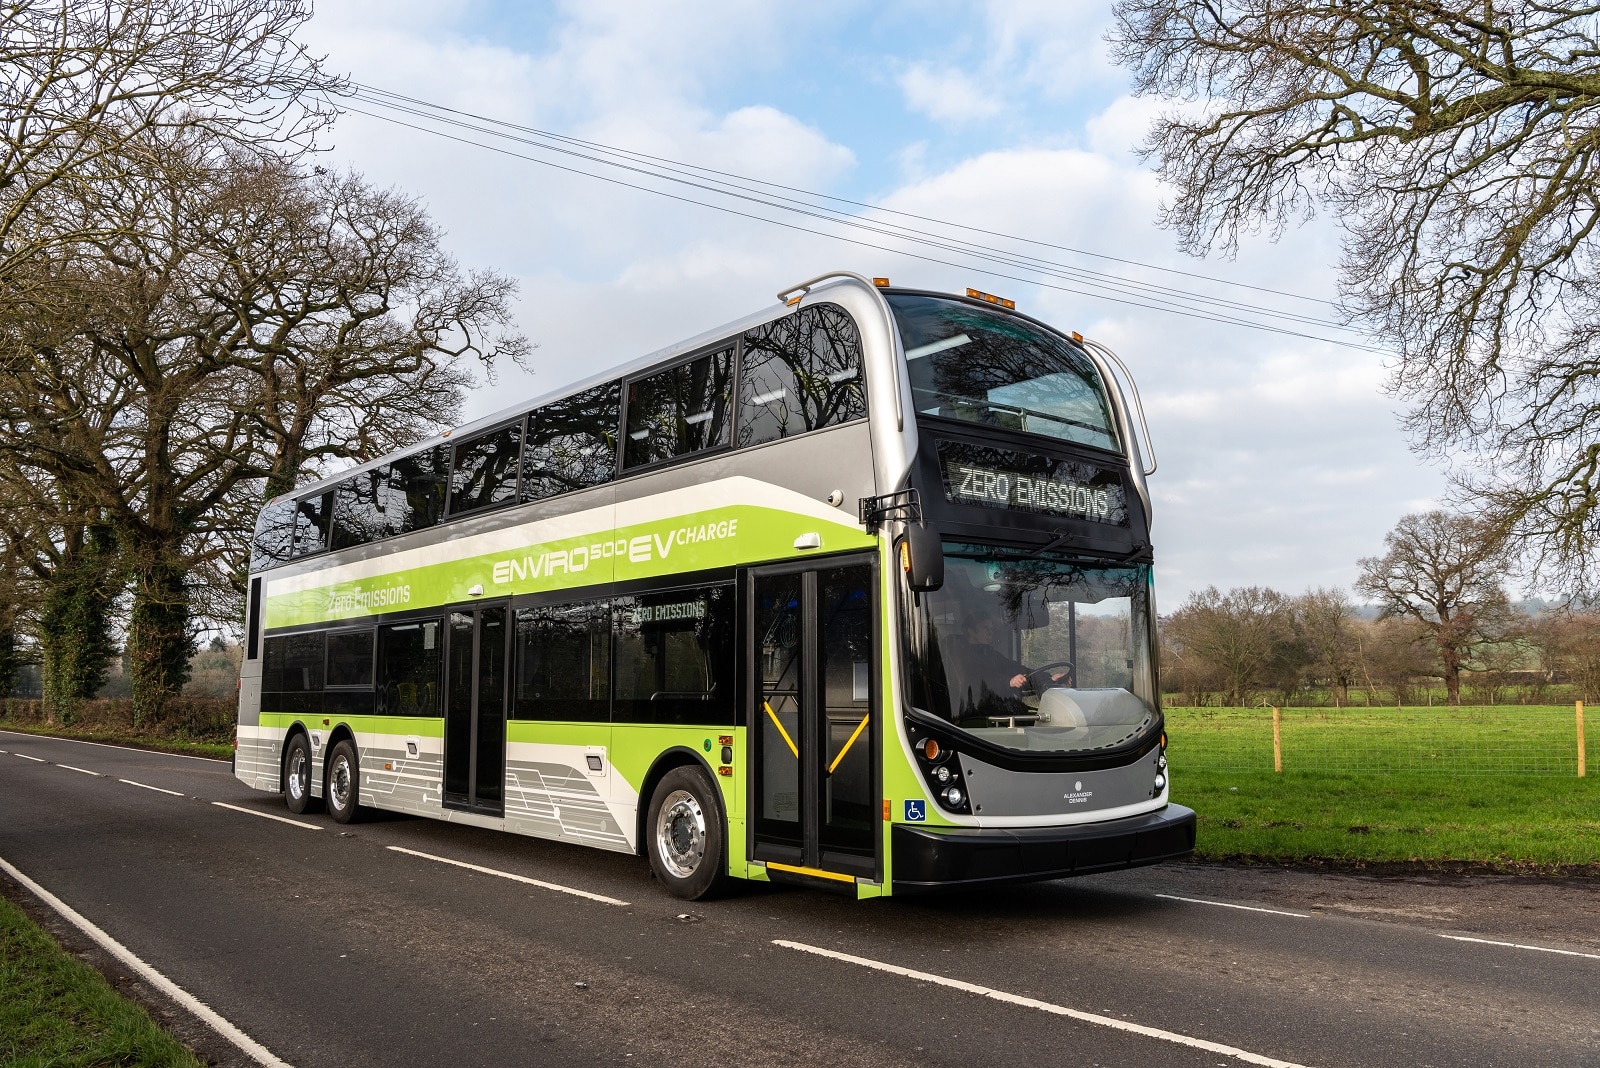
(157,789)
(85,771)
(268,816)
(255,1050)
(1519,945)
(1045,1006)
(1225,905)
(508,875)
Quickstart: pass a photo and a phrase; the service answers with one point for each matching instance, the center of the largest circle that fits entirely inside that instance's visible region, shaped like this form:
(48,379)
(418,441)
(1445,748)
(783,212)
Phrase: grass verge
(1438,789)
(57,1011)
(133,741)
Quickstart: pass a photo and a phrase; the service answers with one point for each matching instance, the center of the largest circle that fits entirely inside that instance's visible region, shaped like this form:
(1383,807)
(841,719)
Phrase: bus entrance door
(813,728)
(475,710)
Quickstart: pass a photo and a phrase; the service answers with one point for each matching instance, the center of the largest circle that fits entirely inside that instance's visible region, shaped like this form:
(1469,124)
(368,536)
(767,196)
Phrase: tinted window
(360,514)
(802,372)
(679,411)
(416,488)
(274,535)
(409,658)
(485,471)
(350,658)
(293,663)
(563,663)
(983,366)
(572,443)
(311,523)
(674,657)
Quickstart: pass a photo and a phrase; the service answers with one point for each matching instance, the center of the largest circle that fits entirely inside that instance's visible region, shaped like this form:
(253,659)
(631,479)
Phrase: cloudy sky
(1280,458)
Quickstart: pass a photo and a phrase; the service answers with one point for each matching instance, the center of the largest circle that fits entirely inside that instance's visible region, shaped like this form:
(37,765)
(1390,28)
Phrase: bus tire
(687,838)
(343,788)
(297,775)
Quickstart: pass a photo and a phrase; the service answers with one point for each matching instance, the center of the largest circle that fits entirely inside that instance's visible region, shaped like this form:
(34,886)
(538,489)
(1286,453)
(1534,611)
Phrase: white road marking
(85,771)
(107,745)
(1519,945)
(255,1050)
(267,816)
(603,899)
(36,760)
(1226,905)
(157,789)
(1045,1006)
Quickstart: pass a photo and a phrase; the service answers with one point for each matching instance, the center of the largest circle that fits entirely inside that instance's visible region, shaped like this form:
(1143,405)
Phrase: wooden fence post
(1277,742)
(1583,768)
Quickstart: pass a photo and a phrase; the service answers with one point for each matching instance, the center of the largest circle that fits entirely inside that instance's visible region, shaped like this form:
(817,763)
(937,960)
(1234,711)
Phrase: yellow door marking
(775,722)
(818,872)
(859,728)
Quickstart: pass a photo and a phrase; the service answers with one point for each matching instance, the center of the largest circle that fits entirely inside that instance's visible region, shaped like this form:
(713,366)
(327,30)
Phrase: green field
(56,1011)
(1495,785)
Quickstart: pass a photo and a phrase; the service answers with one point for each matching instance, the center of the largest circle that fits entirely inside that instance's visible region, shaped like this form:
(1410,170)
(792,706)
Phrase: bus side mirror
(922,557)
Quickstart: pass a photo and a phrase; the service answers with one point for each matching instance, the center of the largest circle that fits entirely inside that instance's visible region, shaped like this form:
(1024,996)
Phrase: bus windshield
(1034,652)
(980,366)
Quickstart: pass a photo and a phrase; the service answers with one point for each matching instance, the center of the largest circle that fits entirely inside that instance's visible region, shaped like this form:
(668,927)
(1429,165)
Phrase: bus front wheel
(687,835)
(297,775)
(343,791)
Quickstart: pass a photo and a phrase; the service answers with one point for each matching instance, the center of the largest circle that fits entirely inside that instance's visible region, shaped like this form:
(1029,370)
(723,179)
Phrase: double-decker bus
(854,592)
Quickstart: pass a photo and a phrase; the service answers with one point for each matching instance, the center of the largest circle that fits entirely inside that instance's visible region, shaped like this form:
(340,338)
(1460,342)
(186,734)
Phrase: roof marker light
(990,298)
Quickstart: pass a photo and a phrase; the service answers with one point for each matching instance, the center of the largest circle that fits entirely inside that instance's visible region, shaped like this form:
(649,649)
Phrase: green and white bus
(854,592)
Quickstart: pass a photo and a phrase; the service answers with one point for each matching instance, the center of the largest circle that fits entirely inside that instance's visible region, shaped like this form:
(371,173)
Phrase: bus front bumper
(934,858)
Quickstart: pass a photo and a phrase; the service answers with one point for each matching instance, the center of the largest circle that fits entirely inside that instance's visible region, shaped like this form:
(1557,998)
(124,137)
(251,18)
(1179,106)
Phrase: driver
(984,680)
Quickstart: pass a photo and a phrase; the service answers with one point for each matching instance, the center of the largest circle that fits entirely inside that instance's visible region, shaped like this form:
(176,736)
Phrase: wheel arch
(679,756)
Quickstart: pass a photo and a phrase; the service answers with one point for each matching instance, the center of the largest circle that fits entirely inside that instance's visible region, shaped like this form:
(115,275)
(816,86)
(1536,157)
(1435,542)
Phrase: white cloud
(946,95)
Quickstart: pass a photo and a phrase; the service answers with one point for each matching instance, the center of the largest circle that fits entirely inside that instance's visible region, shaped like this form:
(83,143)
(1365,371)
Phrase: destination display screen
(999,478)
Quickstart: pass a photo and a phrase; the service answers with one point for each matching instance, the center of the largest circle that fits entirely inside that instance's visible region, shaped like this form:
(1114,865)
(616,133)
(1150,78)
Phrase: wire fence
(1491,740)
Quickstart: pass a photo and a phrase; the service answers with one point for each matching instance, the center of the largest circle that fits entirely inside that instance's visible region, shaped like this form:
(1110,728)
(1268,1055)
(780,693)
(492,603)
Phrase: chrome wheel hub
(681,834)
(298,776)
(339,784)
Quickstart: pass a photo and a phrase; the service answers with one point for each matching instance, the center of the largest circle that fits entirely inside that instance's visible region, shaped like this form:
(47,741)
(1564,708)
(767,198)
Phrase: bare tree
(1327,627)
(83,80)
(1455,142)
(1568,642)
(241,322)
(1241,637)
(1444,571)
(1394,654)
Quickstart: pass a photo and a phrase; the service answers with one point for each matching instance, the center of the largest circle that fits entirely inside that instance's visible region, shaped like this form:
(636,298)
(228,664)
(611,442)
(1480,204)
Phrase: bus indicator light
(725,771)
(724,739)
(881,283)
(930,749)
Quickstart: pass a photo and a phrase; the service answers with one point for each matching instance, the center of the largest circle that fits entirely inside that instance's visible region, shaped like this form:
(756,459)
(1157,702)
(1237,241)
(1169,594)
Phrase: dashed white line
(1519,945)
(255,1050)
(266,816)
(85,771)
(1044,1006)
(157,789)
(603,899)
(36,760)
(1227,905)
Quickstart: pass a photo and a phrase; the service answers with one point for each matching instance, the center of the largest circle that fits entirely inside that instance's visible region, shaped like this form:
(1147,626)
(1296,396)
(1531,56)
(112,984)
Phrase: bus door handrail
(1138,402)
(794,293)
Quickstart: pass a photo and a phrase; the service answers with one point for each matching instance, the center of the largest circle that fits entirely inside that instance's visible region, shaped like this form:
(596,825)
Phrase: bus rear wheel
(297,775)
(343,789)
(687,836)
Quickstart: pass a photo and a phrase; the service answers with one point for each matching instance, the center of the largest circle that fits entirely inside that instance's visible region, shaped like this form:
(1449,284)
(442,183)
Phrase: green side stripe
(714,538)
(413,726)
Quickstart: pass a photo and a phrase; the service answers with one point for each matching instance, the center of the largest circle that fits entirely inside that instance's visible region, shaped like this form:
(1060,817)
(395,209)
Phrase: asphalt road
(331,947)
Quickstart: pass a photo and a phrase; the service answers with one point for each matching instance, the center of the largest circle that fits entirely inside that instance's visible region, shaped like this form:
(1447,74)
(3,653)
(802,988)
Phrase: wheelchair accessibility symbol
(916,812)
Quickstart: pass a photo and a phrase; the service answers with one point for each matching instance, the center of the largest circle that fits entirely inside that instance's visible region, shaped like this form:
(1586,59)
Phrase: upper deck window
(311,523)
(274,535)
(801,372)
(679,411)
(485,471)
(572,443)
(986,367)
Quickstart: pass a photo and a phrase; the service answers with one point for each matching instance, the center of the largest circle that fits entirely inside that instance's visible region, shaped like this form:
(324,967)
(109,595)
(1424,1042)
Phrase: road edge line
(1521,945)
(573,890)
(257,1052)
(268,816)
(1044,1006)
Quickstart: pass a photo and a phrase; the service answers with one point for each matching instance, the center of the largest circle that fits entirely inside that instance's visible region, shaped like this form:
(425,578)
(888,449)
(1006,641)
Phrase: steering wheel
(1039,678)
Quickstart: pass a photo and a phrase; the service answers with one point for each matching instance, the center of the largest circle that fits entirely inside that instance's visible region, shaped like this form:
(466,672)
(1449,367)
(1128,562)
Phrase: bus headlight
(953,796)
(1161,782)
(942,773)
